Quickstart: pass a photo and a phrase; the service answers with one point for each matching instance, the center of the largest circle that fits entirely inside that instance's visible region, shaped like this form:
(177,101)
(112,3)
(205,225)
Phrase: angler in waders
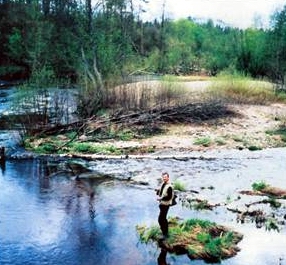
(165,196)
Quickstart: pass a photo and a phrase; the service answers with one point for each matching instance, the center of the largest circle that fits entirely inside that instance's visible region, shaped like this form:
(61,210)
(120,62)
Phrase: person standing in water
(165,196)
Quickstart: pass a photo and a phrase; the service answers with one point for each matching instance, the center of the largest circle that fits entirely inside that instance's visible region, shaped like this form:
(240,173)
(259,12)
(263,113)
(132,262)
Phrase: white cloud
(238,13)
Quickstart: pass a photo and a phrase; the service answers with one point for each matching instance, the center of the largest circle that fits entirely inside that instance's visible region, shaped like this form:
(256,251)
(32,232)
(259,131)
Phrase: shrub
(258,186)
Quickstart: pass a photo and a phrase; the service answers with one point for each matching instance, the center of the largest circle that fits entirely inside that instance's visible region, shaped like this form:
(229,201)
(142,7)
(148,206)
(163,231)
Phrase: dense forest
(51,40)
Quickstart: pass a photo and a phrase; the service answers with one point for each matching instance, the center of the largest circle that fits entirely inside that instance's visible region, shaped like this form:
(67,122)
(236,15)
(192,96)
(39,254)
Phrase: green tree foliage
(181,51)
(252,57)
(50,34)
(220,49)
(276,46)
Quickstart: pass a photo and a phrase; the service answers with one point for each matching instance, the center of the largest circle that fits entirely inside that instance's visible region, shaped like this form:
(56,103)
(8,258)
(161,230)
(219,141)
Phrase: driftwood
(192,112)
(189,113)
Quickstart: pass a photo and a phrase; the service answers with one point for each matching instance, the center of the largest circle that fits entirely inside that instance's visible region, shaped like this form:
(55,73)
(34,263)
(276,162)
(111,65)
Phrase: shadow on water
(49,218)
(162,257)
(2,166)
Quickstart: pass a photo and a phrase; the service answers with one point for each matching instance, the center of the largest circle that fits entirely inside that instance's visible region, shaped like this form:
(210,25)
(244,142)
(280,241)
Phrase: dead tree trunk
(91,93)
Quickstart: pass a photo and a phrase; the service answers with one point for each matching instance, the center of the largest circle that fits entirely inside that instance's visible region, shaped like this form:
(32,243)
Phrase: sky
(235,13)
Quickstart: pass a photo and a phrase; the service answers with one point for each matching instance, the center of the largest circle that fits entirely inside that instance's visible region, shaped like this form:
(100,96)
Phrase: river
(48,217)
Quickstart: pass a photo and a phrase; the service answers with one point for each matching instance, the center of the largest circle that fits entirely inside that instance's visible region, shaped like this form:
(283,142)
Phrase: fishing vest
(165,193)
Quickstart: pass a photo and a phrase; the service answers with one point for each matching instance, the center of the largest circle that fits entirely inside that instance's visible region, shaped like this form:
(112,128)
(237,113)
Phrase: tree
(251,59)
(277,49)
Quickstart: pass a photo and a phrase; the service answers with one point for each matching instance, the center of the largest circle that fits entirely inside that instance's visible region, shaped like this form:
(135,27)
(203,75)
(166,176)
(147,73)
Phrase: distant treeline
(58,38)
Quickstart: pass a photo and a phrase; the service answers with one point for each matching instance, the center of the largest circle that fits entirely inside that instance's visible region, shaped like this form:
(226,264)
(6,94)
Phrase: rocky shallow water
(49,217)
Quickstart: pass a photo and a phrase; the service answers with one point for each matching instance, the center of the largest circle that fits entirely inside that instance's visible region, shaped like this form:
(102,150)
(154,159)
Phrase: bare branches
(91,93)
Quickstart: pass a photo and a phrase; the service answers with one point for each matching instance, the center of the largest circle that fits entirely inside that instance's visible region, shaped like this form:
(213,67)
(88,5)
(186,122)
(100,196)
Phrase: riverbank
(253,127)
(237,115)
(250,127)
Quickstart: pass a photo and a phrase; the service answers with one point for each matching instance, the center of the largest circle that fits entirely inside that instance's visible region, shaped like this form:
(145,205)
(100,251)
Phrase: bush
(258,186)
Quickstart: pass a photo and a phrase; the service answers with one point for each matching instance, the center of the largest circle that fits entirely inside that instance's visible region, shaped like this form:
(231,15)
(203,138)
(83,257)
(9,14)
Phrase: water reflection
(3,166)
(162,257)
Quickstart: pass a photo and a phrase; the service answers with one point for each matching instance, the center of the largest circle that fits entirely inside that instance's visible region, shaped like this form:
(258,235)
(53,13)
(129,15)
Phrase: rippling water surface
(52,219)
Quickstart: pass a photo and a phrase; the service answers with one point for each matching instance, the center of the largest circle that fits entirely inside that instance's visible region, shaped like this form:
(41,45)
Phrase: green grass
(148,234)
(202,205)
(244,90)
(281,132)
(179,186)
(259,186)
(273,202)
(71,135)
(189,224)
(201,239)
(96,149)
(204,141)
(126,135)
(254,148)
(56,146)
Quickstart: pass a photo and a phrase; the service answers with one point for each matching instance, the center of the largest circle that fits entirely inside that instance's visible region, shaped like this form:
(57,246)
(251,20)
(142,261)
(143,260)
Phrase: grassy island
(199,239)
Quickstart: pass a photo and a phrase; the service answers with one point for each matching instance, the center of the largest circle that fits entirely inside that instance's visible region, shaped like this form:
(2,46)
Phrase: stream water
(48,217)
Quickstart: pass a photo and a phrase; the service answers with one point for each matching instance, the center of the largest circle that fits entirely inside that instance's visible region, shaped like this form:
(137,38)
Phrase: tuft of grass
(200,239)
(281,132)
(271,224)
(46,148)
(274,203)
(254,148)
(259,186)
(147,235)
(220,141)
(189,224)
(237,138)
(71,135)
(204,141)
(179,186)
(201,205)
(39,147)
(126,135)
(94,149)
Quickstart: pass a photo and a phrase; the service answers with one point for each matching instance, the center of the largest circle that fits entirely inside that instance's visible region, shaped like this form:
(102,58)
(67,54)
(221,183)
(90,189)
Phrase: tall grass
(147,94)
(170,91)
(244,90)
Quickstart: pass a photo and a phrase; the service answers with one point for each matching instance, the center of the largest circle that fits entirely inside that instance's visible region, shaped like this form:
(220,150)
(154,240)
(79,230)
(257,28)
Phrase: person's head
(165,177)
